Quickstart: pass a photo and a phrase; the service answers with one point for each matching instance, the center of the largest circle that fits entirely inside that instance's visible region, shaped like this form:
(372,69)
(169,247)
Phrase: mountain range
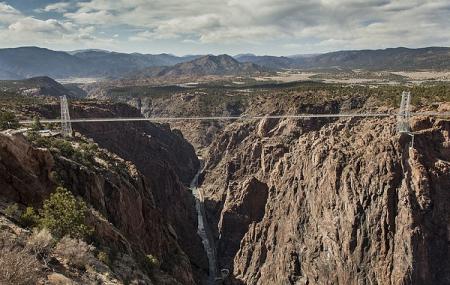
(383,59)
(204,66)
(25,62)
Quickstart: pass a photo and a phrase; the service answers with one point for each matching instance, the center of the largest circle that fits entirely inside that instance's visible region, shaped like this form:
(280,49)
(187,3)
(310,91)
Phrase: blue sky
(276,27)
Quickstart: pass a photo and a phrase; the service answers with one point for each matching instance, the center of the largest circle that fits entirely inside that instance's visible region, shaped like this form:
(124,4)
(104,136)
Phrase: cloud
(296,26)
(8,14)
(250,21)
(59,7)
(29,24)
(21,29)
(101,17)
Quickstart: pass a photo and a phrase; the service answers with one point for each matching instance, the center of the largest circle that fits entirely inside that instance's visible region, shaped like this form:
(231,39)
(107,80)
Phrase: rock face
(339,202)
(149,209)
(167,162)
(24,171)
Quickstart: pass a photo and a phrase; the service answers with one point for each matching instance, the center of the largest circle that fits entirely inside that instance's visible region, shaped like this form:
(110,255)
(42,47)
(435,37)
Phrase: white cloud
(308,25)
(29,24)
(101,17)
(8,14)
(21,29)
(249,21)
(59,7)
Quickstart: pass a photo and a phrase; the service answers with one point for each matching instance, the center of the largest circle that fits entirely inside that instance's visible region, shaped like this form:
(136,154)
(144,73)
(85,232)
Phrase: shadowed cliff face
(341,202)
(166,160)
(152,211)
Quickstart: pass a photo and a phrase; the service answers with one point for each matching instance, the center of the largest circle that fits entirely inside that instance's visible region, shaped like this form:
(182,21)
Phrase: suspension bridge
(403,116)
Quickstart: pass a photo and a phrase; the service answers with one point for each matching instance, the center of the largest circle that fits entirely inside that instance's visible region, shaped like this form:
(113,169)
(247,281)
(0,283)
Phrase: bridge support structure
(66,125)
(404,116)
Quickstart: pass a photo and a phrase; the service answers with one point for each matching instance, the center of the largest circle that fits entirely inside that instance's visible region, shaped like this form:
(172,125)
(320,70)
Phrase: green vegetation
(215,99)
(152,261)
(62,214)
(84,154)
(144,91)
(104,257)
(12,210)
(29,217)
(36,126)
(8,120)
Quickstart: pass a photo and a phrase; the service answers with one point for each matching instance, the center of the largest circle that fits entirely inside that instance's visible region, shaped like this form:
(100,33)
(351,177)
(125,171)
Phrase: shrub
(152,261)
(29,217)
(18,266)
(36,126)
(40,242)
(63,215)
(104,257)
(73,252)
(8,120)
(12,210)
(56,178)
(64,147)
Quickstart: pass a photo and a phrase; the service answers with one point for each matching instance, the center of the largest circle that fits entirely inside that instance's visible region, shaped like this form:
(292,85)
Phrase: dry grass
(18,266)
(73,252)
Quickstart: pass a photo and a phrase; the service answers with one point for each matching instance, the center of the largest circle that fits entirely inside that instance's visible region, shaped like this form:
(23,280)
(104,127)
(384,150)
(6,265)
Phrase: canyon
(283,201)
(348,202)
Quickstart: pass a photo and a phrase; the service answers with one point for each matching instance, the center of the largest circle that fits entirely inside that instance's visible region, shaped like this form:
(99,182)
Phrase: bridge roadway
(235,118)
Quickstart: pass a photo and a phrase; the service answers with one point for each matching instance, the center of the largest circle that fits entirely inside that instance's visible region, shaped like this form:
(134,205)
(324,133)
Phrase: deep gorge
(317,201)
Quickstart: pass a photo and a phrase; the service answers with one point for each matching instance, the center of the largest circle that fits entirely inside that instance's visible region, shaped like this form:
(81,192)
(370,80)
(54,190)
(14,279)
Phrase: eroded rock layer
(145,208)
(339,202)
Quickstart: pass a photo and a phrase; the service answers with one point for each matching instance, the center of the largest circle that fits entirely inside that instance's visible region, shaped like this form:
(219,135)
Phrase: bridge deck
(235,118)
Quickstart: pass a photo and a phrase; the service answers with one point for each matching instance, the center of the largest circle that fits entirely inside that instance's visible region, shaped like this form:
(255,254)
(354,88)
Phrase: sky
(272,27)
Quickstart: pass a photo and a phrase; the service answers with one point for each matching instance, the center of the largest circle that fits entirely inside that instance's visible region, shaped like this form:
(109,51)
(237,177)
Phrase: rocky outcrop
(333,202)
(24,171)
(167,162)
(149,207)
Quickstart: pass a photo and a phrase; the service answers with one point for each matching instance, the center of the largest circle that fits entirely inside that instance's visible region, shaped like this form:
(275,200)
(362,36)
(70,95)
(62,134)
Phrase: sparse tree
(8,120)
(63,214)
(37,125)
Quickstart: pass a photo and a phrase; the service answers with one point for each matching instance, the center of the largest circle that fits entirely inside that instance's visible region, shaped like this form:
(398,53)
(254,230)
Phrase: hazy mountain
(7,75)
(120,63)
(276,62)
(205,65)
(25,62)
(386,59)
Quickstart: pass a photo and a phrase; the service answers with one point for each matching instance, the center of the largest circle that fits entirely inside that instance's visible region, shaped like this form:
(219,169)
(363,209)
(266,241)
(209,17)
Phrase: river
(202,229)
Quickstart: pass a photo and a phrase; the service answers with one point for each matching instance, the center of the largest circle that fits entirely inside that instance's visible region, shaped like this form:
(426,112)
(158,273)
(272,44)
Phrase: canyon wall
(146,208)
(331,201)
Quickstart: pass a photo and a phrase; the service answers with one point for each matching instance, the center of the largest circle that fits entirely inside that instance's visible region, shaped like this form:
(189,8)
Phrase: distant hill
(275,62)
(25,62)
(204,66)
(39,86)
(28,62)
(386,59)
(118,64)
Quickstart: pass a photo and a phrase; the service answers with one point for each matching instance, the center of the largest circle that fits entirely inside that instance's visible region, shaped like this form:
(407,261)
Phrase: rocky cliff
(145,208)
(331,202)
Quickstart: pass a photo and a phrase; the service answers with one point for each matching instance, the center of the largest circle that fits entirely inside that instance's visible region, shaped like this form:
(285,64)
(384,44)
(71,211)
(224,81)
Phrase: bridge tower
(66,125)
(404,116)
